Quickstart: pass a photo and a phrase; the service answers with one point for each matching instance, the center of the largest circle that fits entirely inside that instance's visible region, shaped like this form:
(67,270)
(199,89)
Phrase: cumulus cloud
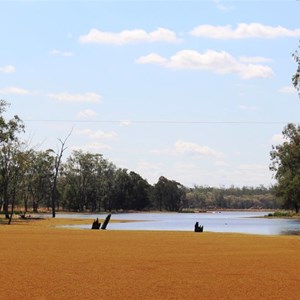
(87,113)
(85,97)
(14,90)
(97,135)
(243,31)
(153,58)
(289,89)
(183,147)
(94,147)
(56,52)
(129,36)
(7,69)
(217,62)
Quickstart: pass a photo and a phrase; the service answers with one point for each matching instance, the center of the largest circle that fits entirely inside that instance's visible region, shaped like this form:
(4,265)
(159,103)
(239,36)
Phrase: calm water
(240,222)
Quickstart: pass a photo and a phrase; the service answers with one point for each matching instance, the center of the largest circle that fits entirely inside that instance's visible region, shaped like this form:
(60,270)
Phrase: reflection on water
(239,222)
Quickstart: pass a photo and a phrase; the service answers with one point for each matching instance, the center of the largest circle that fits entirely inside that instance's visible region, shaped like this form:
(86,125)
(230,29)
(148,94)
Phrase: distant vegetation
(86,182)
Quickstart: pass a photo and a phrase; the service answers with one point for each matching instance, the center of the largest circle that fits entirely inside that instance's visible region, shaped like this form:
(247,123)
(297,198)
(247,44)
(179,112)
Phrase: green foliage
(281,214)
(286,165)
(168,195)
(205,197)
(296,76)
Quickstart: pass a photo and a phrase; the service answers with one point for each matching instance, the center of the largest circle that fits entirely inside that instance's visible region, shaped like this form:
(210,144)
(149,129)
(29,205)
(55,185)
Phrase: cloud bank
(217,62)
(7,69)
(14,90)
(243,31)
(129,37)
(85,97)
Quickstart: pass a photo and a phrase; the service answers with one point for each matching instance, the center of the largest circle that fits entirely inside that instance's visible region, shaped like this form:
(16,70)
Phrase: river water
(238,222)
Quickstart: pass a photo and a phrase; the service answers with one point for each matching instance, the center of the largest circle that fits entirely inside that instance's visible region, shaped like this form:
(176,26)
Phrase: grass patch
(283,214)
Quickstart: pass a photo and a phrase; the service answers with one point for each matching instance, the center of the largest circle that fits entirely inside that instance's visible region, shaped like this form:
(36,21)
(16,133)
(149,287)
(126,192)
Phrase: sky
(196,91)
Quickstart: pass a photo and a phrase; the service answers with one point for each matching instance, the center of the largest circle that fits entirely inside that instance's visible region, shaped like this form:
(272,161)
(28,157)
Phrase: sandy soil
(39,261)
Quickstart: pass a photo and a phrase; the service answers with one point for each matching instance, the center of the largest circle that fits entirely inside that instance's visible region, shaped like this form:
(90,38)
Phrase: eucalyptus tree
(296,76)
(130,191)
(286,165)
(39,177)
(140,192)
(77,171)
(88,181)
(56,169)
(122,189)
(17,170)
(9,130)
(169,194)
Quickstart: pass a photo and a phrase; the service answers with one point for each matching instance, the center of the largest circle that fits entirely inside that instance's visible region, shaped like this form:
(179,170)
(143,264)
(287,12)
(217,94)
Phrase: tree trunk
(6,204)
(12,206)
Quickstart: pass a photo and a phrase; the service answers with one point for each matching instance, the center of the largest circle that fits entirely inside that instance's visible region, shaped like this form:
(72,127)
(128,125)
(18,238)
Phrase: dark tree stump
(104,225)
(198,228)
(96,224)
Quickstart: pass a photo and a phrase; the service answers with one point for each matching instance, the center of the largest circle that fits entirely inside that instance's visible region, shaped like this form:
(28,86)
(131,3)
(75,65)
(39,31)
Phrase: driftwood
(104,225)
(198,228)
(96,224)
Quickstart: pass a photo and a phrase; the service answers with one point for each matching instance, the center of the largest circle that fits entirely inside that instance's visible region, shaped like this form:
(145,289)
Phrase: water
(239,222)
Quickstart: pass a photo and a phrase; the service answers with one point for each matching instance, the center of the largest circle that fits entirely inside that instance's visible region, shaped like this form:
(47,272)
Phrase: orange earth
(41,261)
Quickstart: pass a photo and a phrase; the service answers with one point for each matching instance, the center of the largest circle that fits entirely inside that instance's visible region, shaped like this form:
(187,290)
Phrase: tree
(286,165)
(87,181)
(39,178)
(169,194)
(8,140)
(139,192)
(296,76)
(18,167)
(56,169)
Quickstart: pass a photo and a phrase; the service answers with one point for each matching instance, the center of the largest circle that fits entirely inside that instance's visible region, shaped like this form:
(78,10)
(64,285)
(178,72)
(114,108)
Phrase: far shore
(41,261)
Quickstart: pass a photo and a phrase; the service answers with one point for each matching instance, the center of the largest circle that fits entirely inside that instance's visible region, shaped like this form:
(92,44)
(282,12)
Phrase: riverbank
(40,261)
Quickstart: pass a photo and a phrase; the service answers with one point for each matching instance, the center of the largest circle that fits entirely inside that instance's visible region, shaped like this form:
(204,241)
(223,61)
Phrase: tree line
(33,179)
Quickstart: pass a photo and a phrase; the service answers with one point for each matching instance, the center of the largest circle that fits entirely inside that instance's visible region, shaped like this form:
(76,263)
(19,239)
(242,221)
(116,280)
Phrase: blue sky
(196,91)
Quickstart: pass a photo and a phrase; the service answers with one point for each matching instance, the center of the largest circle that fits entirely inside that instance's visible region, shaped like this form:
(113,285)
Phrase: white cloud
(183,147)
(152,58)
(217,62)
(85,97)
(61,53)
(243,30)
(129,36)
(277,139)
(222,6)
(7,69)
(246,174)
(14,90)
(94,147)
(255,59)
(151,171)
(87,113)
(289,89)
(125,123)
(97,135)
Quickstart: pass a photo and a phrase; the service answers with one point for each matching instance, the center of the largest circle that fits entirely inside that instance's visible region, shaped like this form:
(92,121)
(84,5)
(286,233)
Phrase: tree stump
(96,224)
